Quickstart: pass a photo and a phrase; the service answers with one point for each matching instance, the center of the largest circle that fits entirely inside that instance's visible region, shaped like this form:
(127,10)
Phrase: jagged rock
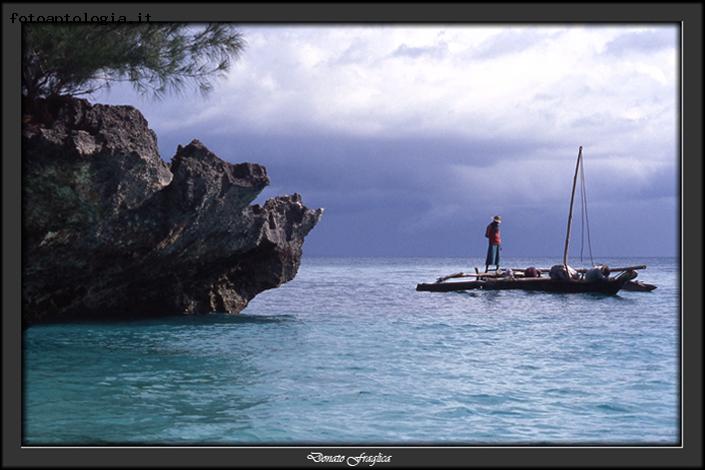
(111,230)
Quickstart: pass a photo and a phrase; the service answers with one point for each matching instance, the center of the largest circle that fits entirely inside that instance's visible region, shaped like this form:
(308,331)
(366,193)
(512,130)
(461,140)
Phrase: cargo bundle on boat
(560,278)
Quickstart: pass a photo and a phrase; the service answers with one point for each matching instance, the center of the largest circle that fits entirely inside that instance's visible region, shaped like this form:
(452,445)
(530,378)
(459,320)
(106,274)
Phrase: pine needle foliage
(156,58)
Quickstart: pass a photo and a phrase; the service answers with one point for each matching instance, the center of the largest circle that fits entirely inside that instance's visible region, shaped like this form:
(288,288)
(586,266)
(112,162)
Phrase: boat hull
(610,287)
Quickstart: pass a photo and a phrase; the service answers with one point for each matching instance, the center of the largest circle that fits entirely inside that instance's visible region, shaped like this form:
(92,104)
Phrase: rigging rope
(585,221)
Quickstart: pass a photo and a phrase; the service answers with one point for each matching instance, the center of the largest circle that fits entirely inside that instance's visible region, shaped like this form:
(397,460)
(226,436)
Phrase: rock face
(110,230)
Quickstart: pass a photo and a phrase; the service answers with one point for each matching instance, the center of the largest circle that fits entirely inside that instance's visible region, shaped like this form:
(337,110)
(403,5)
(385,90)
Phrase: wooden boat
(608,286)
(516,280)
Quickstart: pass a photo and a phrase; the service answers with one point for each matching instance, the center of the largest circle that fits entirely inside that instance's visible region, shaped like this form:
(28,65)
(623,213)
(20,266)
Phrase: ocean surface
(350,353)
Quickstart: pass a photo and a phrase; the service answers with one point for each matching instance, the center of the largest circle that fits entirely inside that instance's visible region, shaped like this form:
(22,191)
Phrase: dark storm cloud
(404,197)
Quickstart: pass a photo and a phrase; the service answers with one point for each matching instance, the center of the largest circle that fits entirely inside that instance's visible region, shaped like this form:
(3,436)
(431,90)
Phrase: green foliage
(156,58)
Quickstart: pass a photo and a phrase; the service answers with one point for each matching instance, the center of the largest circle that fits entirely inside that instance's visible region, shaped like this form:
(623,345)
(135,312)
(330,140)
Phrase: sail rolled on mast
(570,210)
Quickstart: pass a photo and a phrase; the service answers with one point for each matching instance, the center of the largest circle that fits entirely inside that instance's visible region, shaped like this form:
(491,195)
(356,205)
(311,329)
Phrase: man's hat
(497,218)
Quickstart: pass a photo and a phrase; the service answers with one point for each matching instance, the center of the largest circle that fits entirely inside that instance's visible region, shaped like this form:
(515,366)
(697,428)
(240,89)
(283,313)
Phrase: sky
(413,137)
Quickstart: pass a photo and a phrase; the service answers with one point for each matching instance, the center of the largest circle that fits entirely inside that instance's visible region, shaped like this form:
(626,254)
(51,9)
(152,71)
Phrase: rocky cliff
(111,230)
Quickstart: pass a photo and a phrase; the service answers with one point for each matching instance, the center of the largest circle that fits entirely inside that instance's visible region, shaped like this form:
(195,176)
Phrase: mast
(570,212)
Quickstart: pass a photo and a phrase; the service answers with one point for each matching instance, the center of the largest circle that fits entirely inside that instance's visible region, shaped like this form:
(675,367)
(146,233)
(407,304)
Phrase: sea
(349,353)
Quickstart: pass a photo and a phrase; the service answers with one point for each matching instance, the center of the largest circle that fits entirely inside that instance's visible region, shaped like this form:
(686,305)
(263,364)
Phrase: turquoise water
(350,353)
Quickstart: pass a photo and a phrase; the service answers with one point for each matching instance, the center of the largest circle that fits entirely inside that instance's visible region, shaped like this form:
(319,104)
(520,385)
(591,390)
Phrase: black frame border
(689,453)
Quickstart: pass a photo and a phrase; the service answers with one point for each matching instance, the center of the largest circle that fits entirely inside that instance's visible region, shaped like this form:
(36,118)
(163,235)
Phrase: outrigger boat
(575,280)
(492,281)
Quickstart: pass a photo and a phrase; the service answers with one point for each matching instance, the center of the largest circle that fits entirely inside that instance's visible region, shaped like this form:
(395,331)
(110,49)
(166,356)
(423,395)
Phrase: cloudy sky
(413,137)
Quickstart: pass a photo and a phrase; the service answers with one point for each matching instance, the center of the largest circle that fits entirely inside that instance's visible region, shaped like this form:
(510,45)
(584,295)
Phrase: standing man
(492,233)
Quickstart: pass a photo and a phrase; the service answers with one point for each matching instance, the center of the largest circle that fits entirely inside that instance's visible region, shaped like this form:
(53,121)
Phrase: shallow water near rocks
(350,353)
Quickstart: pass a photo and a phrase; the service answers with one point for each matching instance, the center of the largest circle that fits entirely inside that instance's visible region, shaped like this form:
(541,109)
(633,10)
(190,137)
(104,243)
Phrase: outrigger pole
(570,212)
